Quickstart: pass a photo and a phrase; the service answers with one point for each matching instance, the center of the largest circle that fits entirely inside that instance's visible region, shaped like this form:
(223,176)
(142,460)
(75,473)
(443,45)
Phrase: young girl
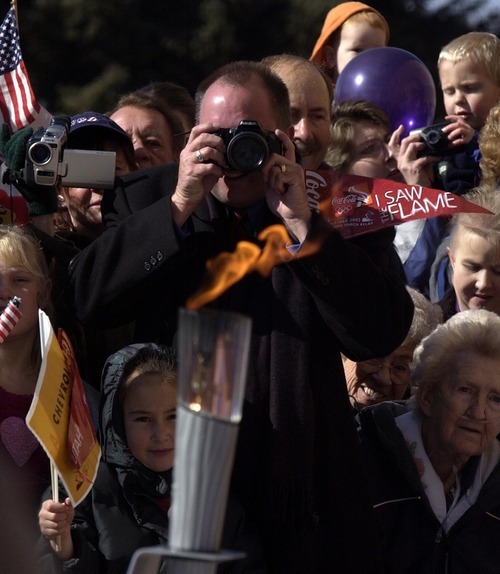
(23,274)
(128,504)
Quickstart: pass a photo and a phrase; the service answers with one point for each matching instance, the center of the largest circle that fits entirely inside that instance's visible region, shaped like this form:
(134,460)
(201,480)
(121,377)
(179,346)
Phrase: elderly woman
(435,459)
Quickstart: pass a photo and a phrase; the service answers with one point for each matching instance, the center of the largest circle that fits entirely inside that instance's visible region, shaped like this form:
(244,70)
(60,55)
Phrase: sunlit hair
(284,63)
(345,116)
(485,225)
(150,359)
(489,140)
(177,98)
(438,355)
(364,17)
(245,74)
(426,317)
(152,100)
(479,48)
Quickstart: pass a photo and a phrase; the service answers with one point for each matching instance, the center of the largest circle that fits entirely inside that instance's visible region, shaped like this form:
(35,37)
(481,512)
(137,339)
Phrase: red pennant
(355,205)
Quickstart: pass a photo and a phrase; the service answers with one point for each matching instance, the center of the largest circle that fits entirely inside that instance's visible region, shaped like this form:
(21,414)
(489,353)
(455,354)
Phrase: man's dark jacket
(298,470)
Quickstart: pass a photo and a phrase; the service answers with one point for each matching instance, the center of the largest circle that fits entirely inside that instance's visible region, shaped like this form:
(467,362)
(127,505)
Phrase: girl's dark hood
(114,445)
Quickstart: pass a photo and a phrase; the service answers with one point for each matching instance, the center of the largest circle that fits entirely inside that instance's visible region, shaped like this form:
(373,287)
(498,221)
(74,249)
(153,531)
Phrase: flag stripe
(18,106)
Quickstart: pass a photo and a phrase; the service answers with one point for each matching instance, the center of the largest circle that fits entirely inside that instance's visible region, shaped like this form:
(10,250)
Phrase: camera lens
(434,137)
(40,153)
(247,151)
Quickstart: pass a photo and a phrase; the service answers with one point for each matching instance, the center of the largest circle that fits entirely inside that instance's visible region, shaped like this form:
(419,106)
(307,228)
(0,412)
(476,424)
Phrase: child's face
(355,37)
(149,410)
(19,282)
(469,91)
(476,272)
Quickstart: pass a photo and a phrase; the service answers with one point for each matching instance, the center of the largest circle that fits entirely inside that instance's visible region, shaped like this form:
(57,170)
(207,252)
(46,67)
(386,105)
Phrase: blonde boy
(469,73)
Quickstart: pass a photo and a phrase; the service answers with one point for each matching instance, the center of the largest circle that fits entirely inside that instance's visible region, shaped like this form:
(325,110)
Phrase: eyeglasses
(399,369)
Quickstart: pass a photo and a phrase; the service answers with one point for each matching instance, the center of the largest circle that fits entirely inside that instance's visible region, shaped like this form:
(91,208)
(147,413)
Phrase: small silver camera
(48,161)
(436,141)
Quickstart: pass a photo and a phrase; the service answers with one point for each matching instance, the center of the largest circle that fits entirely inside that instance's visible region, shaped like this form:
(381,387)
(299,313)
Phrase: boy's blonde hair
(479,48)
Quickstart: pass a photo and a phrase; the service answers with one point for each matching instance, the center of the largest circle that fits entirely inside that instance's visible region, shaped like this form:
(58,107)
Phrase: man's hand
(41,199)
(13,148)
(286,193)
(199,169)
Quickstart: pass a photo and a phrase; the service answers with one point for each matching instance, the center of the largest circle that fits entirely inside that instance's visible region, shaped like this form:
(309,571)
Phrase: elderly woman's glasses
(399,369)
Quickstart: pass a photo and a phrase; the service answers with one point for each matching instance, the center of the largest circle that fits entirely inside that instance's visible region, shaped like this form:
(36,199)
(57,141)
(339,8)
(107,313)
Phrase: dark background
(82,54)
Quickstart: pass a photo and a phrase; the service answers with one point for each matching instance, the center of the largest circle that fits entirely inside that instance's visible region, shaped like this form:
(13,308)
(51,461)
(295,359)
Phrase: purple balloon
(393,79)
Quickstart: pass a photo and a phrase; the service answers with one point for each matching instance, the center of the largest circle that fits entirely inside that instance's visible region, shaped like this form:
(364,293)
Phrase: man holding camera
(298,470)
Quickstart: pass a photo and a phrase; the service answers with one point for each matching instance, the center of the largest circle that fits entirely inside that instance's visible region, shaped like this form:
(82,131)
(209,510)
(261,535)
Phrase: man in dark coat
(298,470)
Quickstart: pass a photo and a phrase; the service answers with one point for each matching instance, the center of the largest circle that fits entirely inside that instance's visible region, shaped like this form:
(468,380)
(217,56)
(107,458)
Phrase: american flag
(18,106)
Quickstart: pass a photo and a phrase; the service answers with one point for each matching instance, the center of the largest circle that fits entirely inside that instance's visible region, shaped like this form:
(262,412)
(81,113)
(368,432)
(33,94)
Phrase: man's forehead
(226,105)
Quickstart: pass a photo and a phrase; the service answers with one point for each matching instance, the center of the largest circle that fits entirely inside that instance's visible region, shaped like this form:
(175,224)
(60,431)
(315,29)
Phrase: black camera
(48,160)
(436,141)
(248,146)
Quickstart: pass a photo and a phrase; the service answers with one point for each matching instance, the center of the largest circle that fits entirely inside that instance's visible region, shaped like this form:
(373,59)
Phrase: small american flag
(18,106)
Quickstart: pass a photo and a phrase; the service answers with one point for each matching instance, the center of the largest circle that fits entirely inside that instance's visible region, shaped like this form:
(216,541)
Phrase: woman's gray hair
(475,331)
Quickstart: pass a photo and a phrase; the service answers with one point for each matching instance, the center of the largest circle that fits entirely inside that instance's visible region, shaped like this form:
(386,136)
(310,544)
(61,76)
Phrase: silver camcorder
(48,161)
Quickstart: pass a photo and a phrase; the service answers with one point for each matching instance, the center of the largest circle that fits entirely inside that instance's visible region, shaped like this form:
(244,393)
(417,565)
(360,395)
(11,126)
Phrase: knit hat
(334,20)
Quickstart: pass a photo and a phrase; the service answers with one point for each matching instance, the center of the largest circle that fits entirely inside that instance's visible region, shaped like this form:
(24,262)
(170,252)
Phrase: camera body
(248,146)
(436,141)
(48,161)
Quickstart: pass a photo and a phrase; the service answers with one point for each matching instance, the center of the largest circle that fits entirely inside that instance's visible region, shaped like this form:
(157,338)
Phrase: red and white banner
(356,205)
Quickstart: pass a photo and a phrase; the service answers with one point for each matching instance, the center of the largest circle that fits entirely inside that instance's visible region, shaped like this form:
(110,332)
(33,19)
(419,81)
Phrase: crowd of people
(368,441)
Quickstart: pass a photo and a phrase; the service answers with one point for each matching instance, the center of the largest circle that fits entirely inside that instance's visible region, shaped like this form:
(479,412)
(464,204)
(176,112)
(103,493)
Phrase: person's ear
(425,400)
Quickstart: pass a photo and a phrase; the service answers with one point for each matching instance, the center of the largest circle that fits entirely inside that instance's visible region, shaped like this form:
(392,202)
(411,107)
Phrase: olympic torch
(213,349)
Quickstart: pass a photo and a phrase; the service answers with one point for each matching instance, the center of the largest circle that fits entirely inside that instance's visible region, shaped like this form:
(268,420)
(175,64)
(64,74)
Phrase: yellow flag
(59,416)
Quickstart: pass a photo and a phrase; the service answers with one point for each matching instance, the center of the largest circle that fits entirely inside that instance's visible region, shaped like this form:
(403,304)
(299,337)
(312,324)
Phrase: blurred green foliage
(83,54)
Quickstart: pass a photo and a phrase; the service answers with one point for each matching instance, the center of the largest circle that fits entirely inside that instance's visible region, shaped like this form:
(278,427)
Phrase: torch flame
(227,269)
